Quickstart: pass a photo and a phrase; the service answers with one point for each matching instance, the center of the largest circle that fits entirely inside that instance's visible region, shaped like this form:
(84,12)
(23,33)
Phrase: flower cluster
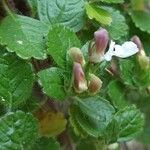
(97,54)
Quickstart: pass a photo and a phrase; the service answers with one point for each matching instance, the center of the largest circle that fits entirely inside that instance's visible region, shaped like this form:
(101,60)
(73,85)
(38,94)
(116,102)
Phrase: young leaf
(91,116)
(17,130)
(64,12)
(60,40)
(141,20)
(116,93)
(24,35)
(101,15)
(52,83)
(16,80)
(131,123)
(44,143)
(118,27)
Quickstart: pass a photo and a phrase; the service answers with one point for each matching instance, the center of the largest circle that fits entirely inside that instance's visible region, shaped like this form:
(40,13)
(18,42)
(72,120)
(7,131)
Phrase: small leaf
(101,15)
(44,143)
(51,123)
(116,93)
(141,20)
(16,80)
(24,35)
(118,27)
(60,40)
(131,123)
(17,130)
(90,116)
(64,12)
(51,81)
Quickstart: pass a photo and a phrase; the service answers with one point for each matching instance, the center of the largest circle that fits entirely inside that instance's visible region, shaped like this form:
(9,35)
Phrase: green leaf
(16,80)
(24,35)
(44,143)
(131,122)
(101,15)
(116,93)
(111,1)
(51,81)
(90,116)
(17,130)
(126,71)
(60,40)
(64,12)
(118,27)
(141,20)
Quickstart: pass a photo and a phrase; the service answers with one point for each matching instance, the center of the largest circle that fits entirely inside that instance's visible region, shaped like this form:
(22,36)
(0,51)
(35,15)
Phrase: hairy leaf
(116,93)
(52,83)
(131,123)
(60,40)
(17,130)
(90,116)
(24,35)
(16,80)
(65,12)
(99,14)
(141,20)
(118,27)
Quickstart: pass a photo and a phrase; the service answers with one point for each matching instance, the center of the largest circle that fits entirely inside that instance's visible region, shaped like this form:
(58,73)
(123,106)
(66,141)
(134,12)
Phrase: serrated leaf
(141,20)
(99,14)
(64,12)
(131,122)
(110,1)
(24,35)
(116,93)
(118,27)
(16,80)
(51,123)
(91,116)
(44,143)
(52,83)
(60,40)
(17,130)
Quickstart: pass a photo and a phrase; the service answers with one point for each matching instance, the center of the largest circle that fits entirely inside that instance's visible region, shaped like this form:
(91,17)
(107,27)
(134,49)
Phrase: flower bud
(95,84)
(101,40)
(80,83)
(144,61)
(76,55)
(135,39)
(97,49)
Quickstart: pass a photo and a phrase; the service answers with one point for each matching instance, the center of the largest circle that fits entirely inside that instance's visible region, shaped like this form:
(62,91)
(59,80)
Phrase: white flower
(123,51)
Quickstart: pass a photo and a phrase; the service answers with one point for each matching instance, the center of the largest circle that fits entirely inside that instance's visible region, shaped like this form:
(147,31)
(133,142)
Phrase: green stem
(137,5)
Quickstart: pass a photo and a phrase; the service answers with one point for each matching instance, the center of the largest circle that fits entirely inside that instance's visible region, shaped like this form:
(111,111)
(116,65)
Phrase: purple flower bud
(80,83)
(95,84)
(135,39)
(101,40)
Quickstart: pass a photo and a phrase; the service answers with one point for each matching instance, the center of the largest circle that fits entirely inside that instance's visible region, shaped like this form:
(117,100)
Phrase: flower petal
(127,49)
(110,52)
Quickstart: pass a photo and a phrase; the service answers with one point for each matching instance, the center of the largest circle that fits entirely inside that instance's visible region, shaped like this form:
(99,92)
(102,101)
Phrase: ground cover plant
(74,74)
